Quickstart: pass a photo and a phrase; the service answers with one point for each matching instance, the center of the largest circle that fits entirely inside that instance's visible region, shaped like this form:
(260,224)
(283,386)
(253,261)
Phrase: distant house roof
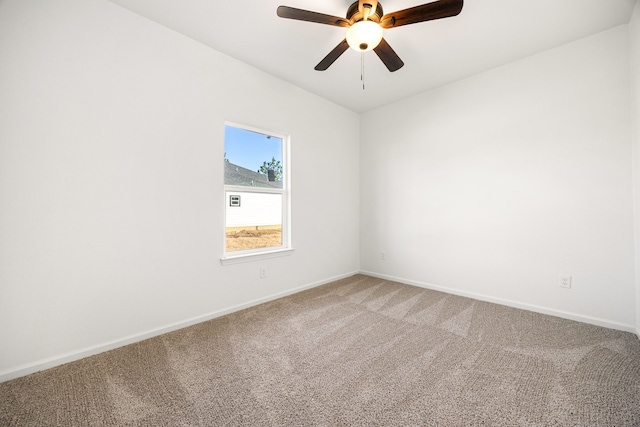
(237,175)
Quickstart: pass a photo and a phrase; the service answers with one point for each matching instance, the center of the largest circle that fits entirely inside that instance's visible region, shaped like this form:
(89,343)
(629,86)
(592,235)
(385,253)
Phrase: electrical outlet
(383,256)
(565,281)
(263,272)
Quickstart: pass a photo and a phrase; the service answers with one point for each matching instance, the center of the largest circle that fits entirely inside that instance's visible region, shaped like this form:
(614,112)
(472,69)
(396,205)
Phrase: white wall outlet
(565,281)
(383,255)
(263,272)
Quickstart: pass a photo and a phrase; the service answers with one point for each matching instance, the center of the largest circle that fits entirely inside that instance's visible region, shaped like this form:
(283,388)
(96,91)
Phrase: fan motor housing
(354,15)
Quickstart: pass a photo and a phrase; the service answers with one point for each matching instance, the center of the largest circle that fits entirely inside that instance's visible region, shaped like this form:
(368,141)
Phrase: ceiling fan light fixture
(364,36)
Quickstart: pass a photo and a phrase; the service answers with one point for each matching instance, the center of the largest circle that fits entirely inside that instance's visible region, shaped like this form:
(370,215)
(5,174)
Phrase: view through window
(255,190)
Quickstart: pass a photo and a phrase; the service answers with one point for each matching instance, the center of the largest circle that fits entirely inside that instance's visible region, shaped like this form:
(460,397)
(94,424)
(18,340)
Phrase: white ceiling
(486,35)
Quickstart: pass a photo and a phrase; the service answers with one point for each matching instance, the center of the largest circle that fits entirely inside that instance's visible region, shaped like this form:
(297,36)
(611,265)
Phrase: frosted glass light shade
(364,35)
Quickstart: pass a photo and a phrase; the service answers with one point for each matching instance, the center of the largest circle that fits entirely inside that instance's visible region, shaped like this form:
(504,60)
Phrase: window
(256,194)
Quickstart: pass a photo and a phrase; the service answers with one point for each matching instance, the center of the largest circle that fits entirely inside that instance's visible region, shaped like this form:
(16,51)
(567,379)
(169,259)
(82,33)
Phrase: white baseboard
(487,298)
(58,360)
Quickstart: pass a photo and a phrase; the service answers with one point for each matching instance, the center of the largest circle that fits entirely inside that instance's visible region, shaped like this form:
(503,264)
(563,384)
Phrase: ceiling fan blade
(426,12)
(332,56)
(306,15)
(388,56)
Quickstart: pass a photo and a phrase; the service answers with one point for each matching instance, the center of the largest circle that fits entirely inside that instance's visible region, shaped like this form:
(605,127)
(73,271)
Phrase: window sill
(237,259)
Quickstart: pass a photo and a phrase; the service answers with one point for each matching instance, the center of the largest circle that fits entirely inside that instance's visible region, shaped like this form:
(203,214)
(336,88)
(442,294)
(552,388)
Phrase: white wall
(495,185)
(634,36)
(255,209)
(111,180)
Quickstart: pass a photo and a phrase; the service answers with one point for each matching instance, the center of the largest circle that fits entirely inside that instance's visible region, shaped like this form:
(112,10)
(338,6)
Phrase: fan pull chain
(362,69)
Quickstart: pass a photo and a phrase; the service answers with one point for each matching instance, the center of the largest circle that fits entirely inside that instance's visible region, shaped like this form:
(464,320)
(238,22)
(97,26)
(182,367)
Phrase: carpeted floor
(359,351)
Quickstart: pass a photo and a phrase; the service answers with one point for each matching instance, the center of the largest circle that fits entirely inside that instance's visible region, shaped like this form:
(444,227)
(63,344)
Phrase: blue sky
(250,149)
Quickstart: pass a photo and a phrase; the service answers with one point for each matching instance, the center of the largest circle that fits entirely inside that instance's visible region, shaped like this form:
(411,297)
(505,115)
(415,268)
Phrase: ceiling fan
(365,21)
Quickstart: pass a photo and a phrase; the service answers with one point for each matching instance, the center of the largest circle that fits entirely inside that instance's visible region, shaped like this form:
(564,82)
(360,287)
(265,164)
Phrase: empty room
(320,213)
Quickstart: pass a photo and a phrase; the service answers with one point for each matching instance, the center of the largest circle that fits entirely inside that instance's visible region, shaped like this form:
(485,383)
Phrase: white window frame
(235,257)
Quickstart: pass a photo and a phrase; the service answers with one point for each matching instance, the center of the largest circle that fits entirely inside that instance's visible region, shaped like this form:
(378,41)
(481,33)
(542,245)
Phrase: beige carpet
(360,351)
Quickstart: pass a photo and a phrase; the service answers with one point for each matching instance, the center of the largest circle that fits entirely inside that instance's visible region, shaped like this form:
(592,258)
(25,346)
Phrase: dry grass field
(243,238)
